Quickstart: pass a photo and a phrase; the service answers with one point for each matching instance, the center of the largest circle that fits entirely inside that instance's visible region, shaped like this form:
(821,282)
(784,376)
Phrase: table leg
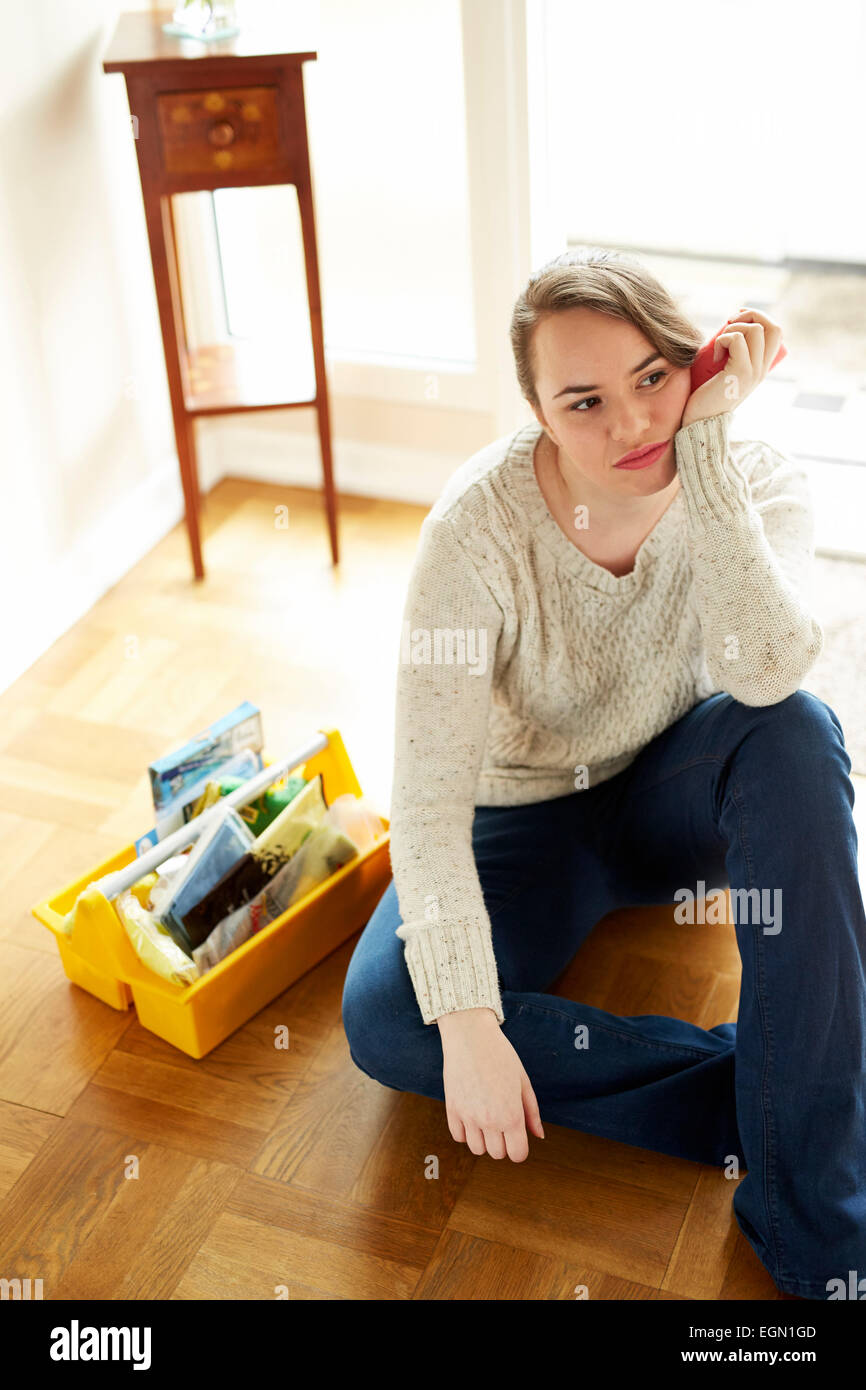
(308,230)
(158,218)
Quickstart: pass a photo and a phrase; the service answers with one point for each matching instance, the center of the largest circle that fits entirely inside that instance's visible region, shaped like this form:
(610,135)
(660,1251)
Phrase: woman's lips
(644,459)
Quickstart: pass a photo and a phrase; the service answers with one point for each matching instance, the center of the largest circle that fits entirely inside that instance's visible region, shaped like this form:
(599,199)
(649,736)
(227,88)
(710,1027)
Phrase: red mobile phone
(704,367)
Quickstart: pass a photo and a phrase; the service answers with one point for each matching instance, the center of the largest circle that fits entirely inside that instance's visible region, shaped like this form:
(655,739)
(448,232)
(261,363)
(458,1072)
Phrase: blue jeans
(738,797)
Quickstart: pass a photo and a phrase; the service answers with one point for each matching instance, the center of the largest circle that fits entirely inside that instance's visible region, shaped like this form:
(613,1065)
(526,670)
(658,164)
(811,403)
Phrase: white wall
(88,471)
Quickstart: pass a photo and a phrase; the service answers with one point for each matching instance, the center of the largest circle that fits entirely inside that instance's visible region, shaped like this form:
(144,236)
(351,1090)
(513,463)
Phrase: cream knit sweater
(527,671)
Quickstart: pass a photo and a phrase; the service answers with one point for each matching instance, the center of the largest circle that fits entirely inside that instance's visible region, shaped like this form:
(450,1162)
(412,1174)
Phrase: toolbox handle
(115,883)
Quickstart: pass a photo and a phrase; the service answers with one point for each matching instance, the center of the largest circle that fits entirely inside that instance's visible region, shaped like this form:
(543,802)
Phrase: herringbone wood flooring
(260,1168)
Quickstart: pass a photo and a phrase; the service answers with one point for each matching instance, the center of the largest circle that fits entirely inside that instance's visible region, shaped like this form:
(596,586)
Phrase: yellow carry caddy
(197,1017)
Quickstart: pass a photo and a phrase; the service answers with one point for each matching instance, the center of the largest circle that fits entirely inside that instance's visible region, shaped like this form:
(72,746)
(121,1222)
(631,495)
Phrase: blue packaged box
(174,774)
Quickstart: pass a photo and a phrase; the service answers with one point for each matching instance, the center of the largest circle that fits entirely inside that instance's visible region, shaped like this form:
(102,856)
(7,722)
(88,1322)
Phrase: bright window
(730,129)
(385,114)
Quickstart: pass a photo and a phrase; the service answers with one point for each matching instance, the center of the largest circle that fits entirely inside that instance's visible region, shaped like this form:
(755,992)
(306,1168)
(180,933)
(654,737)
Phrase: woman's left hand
(752,342)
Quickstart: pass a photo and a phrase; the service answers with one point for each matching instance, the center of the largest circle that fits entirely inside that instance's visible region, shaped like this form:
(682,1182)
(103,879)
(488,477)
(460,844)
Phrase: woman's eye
(586,399)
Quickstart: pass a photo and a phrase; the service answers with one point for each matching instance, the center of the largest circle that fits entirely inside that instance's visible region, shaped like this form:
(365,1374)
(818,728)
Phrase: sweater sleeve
(451,626)
(751,543)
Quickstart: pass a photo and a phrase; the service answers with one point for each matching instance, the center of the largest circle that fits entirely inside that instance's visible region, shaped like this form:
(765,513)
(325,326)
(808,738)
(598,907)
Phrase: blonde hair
(610,282)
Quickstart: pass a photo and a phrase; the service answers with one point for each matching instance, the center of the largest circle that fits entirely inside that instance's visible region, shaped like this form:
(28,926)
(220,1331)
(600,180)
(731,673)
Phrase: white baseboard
(244,449)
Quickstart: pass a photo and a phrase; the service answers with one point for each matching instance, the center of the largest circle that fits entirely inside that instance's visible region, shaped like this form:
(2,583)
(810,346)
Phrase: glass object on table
(203,19)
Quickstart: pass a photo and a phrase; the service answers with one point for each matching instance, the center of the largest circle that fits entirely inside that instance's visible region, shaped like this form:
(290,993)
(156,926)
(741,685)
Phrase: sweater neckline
(565,552)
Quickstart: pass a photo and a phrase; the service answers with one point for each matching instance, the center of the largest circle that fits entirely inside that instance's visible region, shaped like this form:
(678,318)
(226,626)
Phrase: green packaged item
(259,813)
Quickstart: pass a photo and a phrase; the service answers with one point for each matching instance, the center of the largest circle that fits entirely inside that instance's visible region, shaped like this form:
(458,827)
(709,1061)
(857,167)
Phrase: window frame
(496,44)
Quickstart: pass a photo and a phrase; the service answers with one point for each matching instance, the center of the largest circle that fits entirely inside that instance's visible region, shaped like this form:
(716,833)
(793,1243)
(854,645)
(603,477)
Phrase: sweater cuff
(451,969)
(715,488)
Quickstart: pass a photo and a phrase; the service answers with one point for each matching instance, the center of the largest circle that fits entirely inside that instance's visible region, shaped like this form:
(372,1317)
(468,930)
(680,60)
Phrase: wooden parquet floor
(260,1169)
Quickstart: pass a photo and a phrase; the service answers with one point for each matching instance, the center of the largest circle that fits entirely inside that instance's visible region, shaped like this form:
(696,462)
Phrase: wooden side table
(211,114)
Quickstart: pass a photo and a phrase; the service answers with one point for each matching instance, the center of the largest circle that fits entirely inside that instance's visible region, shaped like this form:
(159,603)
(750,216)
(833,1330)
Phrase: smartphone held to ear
(704,367)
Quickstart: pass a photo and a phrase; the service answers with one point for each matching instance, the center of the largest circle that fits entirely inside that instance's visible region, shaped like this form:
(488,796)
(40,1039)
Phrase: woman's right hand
(489,1099)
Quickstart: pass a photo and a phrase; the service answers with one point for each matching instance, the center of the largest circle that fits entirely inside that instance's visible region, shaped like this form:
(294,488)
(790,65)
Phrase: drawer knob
(221,133)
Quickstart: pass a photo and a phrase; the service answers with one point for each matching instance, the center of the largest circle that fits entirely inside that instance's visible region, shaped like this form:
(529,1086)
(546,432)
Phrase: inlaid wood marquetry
(237,128)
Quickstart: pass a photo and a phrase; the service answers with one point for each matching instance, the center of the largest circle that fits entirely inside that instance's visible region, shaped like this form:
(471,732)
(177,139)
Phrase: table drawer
(218,129)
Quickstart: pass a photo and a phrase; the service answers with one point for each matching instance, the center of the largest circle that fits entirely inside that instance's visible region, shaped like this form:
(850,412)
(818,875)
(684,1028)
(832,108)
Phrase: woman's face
(633,401)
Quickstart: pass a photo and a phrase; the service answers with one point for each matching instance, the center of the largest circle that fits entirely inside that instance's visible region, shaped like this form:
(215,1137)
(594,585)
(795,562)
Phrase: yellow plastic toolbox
(197,1017)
